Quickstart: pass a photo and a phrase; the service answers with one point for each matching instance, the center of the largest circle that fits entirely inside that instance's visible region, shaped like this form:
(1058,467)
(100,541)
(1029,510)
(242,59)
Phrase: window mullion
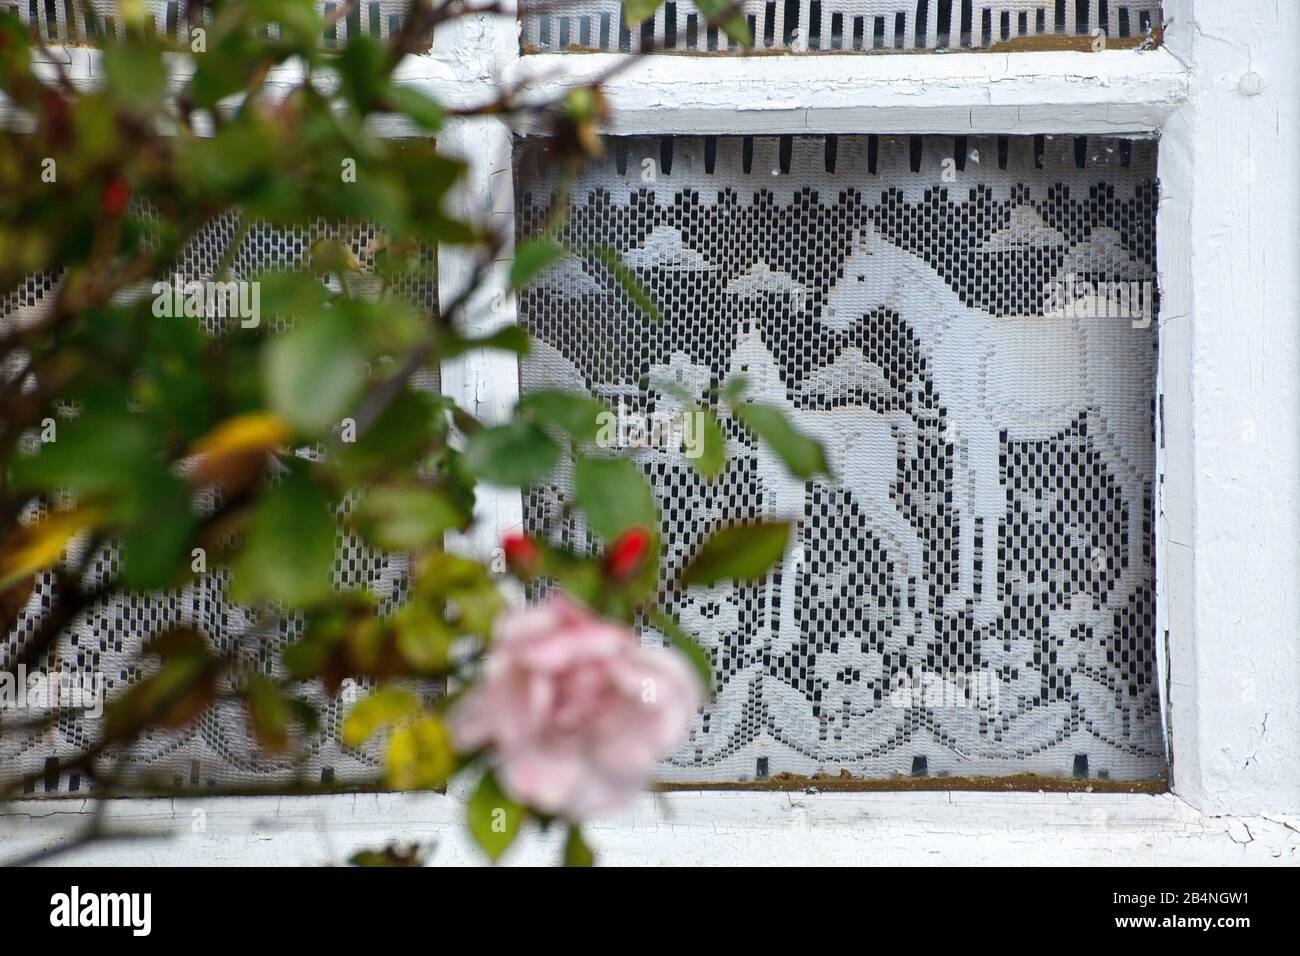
(485,383)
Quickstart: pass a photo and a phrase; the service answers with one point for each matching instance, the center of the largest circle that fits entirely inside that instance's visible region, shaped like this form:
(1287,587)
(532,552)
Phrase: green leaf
(423,637)
(712,445)
(705,443)
(424,110)
(738,553)
(729,17)
(508,338)
(99,454)
(688,645)
(516,454)
(409,516)
(361,66)
(289,553)
(735,388)
(614,495)
(575,412)
(637,11)
(628,281)
(156,545)
(803,456)
(135,72)
(381,708)
(420,755)
(311,655)
(576,851)
(494,819)
(532,257)
(289,295)
(314,373)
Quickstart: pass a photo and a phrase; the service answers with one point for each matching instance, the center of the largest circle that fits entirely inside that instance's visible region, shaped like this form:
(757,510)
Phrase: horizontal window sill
(691,828)
(1112,92)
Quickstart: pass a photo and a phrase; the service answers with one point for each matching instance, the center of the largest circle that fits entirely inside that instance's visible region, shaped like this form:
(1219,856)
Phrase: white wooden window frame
(1219,94)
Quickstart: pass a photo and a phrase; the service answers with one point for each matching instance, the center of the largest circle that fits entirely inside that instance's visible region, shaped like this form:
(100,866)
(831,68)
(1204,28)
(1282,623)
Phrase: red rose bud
(628,552)
(116,195)
(523,556)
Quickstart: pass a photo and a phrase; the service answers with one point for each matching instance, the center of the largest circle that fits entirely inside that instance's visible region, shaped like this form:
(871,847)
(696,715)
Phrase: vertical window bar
(331,30)
(354,21)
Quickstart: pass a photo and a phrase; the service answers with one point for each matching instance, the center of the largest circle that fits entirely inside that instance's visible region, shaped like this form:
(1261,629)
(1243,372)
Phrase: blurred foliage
(194,446)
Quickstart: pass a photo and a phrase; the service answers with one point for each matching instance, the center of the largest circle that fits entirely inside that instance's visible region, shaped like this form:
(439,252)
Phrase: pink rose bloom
(577,711)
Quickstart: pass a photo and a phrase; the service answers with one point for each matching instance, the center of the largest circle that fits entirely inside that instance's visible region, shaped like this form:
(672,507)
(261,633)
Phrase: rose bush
(144,447)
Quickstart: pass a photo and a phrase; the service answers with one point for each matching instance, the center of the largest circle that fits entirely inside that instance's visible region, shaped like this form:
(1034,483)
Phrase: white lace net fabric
(67,19)
(973,592)
(218,751)
(832,25)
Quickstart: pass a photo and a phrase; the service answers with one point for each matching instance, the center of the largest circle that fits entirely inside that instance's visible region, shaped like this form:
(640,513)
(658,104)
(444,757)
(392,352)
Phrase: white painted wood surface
(960,93)
(683,829)
(1228,237)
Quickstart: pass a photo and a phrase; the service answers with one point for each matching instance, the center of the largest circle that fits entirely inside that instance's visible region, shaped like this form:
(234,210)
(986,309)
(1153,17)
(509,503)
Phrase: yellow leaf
(232,447)
(382,707)
(420,755)
(35,548)
(256,431)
